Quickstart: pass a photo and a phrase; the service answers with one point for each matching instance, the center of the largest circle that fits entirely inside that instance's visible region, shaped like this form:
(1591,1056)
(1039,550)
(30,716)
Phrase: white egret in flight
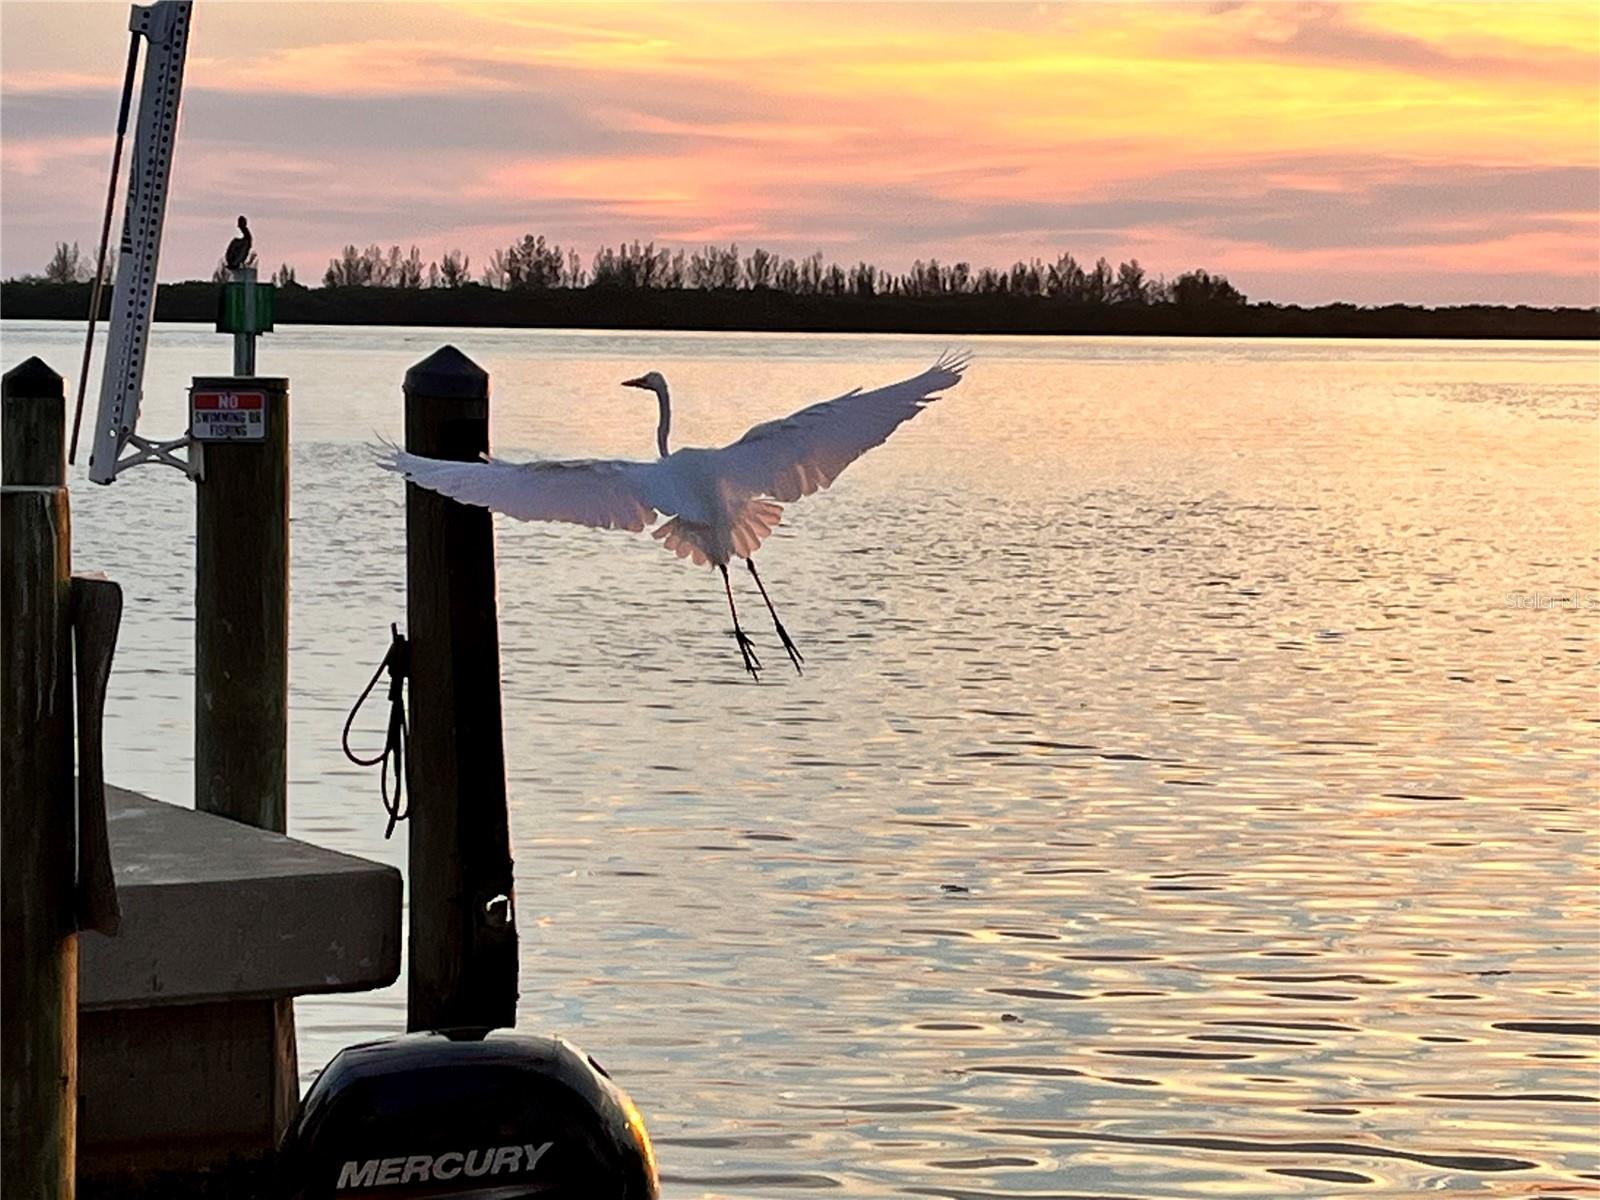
(723,503)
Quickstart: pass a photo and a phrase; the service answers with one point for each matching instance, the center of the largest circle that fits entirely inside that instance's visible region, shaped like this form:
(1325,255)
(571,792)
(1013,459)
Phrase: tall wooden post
(463,962)
(241,634)
(38,841)
(241,602)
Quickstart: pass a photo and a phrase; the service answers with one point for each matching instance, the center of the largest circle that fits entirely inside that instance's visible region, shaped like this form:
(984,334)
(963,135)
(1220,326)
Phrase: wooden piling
(241,603)
(241,653)
(38,845)
(96,617)
(463,944)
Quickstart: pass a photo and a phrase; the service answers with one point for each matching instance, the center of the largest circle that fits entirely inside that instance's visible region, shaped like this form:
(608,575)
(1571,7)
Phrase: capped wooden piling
(463,947)
(241,603)
(38,842)
(241,643)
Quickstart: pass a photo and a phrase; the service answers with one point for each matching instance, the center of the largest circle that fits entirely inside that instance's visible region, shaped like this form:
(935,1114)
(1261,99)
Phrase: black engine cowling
(467,1113)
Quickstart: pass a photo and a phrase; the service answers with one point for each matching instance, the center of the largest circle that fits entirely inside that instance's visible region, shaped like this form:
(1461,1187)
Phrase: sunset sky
(1424,152)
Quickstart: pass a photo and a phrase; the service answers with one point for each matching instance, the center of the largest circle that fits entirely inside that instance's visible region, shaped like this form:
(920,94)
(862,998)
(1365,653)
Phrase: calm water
(1192,790)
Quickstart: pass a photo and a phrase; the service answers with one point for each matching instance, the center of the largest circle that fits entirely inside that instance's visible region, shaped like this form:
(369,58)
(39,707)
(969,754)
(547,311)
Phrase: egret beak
(638,383)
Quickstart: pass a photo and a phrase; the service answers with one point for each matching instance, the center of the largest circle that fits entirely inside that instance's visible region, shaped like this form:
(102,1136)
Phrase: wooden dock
(222,924)
(166,1043)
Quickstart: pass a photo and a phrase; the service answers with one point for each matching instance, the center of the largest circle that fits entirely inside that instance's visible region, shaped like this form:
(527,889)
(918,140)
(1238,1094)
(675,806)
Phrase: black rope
(398,663)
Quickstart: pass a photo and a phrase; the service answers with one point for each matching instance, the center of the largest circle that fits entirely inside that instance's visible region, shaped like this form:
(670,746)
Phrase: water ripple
(1219,711)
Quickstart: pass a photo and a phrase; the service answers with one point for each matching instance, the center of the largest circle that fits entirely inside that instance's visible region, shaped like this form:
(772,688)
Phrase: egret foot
(747,648)
(789,647)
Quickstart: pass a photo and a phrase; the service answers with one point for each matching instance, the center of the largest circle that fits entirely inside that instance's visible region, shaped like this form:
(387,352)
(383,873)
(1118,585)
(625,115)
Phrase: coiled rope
(398,663)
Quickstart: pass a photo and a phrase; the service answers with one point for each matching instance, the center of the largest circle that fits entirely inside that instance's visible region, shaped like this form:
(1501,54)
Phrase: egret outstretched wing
(796,455)
(722,503)
(603,493)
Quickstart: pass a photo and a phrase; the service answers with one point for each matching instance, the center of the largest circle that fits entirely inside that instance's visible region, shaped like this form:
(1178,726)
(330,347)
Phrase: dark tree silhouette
(351,269)
(67,265)
(714,267)
(453,270)
(1130,287)
(1199,289)
(759,269)
(408,270)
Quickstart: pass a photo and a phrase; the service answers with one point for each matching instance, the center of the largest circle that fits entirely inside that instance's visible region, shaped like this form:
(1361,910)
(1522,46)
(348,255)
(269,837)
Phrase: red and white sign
(228,416)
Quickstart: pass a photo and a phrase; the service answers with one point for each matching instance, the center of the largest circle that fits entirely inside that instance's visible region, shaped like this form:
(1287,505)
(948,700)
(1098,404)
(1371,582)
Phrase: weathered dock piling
(241,601)
(463,967)
(241,638)
(38,839)
(96,618)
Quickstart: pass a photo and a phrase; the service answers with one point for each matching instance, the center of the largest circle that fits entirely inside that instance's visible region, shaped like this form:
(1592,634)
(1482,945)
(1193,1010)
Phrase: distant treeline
(533,264)
(534,283)
(773,311)
(536,265)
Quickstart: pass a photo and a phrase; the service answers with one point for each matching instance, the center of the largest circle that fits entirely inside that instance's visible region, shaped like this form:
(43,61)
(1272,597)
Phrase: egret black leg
(783,634)
(747,648)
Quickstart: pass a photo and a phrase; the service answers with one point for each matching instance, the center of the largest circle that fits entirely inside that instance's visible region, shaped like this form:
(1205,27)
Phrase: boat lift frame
(164,26)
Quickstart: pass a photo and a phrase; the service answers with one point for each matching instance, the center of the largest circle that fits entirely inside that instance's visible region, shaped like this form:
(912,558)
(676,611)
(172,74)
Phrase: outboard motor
(467,1114)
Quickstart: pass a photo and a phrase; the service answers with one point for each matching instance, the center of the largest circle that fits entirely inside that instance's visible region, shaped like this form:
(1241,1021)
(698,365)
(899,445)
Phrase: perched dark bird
(238,254)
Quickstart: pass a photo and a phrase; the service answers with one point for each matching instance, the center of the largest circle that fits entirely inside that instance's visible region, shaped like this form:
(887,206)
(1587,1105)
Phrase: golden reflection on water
(1192,790)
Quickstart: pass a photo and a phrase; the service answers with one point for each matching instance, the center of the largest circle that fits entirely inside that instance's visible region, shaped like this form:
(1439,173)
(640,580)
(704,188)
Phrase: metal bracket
(147,450)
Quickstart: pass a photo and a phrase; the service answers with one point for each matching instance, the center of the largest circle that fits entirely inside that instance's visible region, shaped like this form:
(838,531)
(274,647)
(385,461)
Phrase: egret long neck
(666,421)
